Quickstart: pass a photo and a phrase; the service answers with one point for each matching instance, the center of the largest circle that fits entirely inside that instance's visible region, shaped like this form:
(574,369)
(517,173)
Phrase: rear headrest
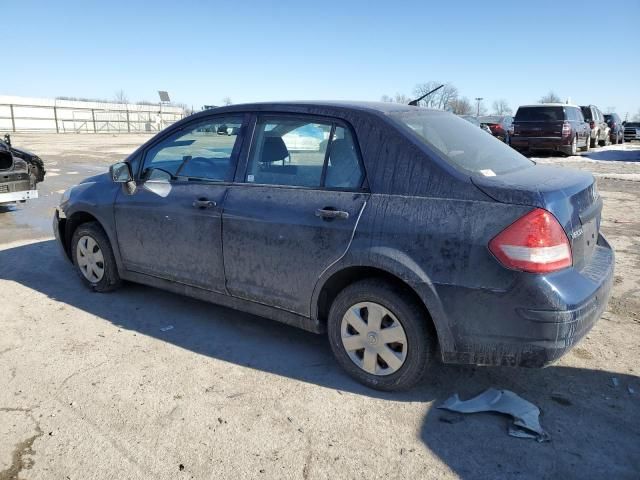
(273,150)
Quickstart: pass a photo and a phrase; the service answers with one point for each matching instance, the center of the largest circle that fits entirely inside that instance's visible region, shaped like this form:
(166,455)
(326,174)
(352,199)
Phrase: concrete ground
(99,387)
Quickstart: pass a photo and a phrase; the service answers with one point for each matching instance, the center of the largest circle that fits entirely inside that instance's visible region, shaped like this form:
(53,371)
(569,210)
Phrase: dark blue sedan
(399,231)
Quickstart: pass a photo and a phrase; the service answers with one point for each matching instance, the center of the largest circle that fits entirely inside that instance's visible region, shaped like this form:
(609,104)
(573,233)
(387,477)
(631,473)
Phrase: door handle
(331,213)
(203,203)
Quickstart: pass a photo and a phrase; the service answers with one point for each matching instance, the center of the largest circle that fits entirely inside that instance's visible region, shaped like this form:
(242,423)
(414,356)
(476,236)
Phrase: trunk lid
(570,195)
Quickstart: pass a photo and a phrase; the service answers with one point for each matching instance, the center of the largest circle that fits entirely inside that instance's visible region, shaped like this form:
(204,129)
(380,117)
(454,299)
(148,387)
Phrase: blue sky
(202,51)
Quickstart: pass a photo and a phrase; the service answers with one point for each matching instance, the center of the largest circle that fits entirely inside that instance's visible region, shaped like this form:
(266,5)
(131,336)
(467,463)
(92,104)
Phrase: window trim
(235,153)
(241,173)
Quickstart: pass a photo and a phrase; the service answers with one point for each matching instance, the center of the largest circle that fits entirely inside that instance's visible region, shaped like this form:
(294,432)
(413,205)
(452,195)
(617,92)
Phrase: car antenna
(414,103)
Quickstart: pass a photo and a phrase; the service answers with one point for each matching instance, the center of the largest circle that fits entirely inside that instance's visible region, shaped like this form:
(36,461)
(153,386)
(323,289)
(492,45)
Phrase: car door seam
(353,234)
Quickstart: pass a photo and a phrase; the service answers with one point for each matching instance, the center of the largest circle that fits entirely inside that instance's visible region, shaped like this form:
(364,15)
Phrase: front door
(294,212)
(170,227)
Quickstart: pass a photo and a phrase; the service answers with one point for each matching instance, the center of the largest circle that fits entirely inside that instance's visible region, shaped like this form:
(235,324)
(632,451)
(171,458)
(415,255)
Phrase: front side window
(300,152)
(200,151)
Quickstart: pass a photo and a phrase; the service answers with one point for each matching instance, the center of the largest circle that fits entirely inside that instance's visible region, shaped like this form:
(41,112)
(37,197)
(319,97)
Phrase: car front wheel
(93,257)
(380,335)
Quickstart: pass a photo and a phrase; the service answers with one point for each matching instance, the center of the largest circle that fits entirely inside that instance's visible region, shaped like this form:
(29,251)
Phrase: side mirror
(121,172)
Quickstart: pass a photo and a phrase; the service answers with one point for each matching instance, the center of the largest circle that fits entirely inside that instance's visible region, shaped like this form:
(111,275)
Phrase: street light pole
(478,99)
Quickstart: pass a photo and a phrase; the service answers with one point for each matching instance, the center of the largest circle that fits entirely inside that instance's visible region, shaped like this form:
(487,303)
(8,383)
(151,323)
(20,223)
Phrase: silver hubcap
(374,338)
(90,259)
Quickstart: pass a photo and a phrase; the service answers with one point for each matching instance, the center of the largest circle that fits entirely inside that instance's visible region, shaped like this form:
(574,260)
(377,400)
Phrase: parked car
(409,231)
(474,120)
(550,126)
(20,171)
(501,126)
(616,129)
(631,131)
(599,128)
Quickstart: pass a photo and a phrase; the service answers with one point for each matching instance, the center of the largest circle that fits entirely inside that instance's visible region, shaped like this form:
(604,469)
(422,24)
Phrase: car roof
(549,105)
(302,106)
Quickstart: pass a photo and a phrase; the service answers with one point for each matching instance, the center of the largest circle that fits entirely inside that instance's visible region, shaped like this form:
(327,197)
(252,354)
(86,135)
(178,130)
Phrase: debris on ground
(451,418)
(561,399)
(526,423)
(615,382)
(167,328)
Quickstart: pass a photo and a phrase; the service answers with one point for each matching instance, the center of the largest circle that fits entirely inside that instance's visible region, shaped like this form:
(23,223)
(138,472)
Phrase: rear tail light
(534,243)
(592,124)
(566,128)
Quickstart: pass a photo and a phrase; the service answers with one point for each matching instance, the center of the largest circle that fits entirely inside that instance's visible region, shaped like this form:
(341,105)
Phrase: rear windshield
(586,111)
(490,119)
(540,114)
(462,144)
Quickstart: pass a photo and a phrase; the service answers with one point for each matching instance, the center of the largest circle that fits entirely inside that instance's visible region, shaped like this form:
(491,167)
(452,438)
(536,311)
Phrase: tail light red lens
(566,128)
(534,243)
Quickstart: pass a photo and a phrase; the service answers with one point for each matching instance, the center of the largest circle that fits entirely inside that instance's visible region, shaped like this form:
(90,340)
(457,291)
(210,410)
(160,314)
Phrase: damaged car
(20,172)
(400,232)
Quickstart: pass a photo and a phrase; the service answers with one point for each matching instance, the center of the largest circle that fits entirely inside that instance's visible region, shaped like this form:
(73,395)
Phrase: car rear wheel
(93,257)
(380,335)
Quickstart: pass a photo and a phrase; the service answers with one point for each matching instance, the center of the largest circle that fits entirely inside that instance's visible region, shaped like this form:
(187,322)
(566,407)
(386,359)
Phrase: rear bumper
(536,321)
(541,143)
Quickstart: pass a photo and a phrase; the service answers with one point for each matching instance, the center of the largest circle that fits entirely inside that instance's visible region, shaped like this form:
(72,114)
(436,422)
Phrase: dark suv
(616,129)
(398,230)
(597,123)
(551,127)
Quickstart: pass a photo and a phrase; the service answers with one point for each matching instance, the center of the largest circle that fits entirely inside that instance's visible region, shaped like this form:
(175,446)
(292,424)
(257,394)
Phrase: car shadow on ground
(614,155)
(593,424)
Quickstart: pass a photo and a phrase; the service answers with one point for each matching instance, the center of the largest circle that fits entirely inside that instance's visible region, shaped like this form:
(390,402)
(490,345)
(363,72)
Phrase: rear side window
(461,144)
(586,112)
(298,152)
(540,114)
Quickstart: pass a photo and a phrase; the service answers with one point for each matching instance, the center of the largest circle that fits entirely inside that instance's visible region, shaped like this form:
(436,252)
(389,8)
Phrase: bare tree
(501,107)
(550,97)
(439,100)
(185,108)
(120,97)
(398,98)
(227,101)
(461,106)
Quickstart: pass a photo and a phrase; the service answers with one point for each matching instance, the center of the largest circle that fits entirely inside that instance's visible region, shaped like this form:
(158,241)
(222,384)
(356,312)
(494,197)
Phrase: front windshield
(461,144)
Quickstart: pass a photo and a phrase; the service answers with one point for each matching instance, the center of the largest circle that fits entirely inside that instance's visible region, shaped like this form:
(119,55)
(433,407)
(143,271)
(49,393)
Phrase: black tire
(586,145)
(420,338)
(110,279)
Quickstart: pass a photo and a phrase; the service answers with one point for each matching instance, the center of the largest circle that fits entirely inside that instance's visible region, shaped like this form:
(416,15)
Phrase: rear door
(293,209)
(170,227)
